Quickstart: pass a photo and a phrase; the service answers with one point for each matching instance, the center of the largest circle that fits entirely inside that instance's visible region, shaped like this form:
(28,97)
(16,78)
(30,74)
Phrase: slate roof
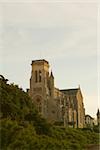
(70,91)
(98,112)
(88,116)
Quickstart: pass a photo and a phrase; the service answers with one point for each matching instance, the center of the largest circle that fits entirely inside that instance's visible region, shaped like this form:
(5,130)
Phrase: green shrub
(22,128)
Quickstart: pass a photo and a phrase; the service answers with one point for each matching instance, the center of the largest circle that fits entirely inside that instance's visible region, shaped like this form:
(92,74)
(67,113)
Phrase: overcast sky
(63,33)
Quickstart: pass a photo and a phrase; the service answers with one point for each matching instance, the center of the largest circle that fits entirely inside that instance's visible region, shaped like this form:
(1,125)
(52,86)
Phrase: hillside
(22,128)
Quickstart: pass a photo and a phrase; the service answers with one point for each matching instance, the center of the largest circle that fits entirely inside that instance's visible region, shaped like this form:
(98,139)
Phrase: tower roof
(51,75)
(98,112)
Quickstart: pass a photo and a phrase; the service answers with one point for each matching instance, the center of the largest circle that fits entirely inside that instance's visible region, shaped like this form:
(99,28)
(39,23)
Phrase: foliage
(16,136)
(96,128)
(22,128)
(15,101)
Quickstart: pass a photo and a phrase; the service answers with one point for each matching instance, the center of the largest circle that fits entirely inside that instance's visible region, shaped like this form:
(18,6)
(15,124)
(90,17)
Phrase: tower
(98,117)
(39,85)
(42,90)
(51,85)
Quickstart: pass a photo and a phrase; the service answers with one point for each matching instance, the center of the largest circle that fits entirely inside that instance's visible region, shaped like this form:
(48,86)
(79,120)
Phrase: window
(40,76)
(36,77)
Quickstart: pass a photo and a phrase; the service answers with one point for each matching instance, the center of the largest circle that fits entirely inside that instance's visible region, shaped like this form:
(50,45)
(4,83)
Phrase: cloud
(49,27)
(63,33)
(48,42)
(91,103)
(49,1)
(48,15)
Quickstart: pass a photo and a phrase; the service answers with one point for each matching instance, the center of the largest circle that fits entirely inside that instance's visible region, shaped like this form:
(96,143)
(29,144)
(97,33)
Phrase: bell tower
(39,85)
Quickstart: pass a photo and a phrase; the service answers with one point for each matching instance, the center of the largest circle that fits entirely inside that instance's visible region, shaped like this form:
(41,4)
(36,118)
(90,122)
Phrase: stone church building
(57,106)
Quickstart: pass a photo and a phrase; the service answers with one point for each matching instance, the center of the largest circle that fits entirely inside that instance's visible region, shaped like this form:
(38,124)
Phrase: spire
(51,75)
(98,112)
(79,86)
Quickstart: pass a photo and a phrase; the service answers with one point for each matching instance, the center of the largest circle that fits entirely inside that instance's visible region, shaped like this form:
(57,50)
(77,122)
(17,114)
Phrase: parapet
(40,61)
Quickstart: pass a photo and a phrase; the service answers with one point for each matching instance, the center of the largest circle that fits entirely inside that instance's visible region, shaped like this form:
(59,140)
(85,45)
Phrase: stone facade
(75,107)
(55,105)
(89,121)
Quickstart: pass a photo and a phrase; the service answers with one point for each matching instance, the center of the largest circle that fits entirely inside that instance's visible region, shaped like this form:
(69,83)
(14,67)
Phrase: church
(62,106)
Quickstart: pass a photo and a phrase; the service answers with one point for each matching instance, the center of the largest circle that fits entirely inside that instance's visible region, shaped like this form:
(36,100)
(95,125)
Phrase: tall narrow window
(40,76)
(36,76)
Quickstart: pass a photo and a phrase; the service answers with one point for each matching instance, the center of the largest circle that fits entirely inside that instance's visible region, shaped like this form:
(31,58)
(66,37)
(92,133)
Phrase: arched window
(36,76)
(40,76)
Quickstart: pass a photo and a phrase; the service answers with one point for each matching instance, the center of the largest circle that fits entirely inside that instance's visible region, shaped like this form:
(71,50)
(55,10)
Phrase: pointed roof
(51,75)
(89,117)
(98,112)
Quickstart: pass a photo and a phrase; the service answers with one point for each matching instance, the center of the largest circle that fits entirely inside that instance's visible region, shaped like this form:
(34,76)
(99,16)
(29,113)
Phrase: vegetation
(22,128)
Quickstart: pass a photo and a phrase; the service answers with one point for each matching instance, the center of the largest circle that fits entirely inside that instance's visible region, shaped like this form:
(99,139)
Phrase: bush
(96,129)
(22,128)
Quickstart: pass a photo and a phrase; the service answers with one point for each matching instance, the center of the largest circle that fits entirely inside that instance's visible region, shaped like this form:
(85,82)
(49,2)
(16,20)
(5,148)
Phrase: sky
(65,33)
